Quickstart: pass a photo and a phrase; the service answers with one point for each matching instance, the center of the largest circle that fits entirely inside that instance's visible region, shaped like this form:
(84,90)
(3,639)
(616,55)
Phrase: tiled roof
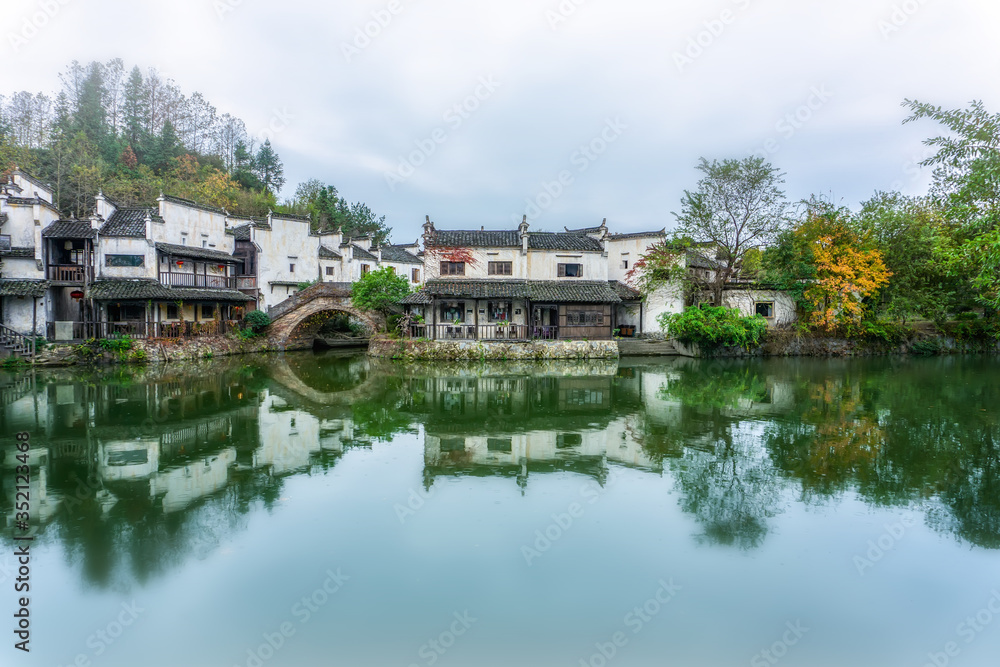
(21,253)
(195,253)
(291,216)
(361,253)
(127,222)
(452,238)
(585,230)
(34,181)
(624,292)
(572,292)
(3,218)
(556,291)
(14,287)
(699,261)
(147,288)
(194,204)
(326,253)
(397,255)
(69,229)
(638,235)
(242,233)
(417,298)
(21,201)
(562,241)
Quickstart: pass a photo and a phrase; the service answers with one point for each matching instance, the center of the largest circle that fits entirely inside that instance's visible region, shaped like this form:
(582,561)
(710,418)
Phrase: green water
(331,510)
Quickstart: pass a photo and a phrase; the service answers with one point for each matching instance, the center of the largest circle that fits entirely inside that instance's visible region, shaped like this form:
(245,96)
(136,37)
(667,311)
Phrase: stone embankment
(410,350)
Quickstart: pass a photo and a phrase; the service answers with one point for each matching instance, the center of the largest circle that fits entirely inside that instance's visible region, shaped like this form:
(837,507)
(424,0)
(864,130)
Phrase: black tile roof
(555,291)
(624,292)
(129,222)
(193,204)
(699,261)
(397,255)
(585,230)
(69,229)
(241,233)
(563,241)
(16,252)
(15,287)
(142,289)
(326,253)
(291,216)
(21,201)
(454,238)
(361,253)
(3,218)
(419,297)
(195,253)
(638,235)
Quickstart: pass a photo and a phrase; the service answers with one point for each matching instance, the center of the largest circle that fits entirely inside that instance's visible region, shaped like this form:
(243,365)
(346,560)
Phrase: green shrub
(119,343)
(138,356)
(257,321)
(892,333)
(970,327)
(928,347)
(245,334)
(712,327)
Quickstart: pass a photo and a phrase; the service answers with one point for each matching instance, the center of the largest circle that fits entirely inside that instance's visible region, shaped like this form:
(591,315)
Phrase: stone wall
(477,350)
(788,344)
(152,352)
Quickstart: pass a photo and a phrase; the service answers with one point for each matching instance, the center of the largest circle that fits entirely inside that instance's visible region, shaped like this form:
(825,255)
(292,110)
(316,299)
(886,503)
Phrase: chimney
(378,253)
(428,229)
(522,229)
(149,224)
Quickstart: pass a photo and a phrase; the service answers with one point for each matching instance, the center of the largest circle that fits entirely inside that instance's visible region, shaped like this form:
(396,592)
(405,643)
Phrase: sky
(477,112)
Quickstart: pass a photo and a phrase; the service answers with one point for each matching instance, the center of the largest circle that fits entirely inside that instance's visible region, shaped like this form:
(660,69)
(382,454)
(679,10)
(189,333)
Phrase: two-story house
(518,285)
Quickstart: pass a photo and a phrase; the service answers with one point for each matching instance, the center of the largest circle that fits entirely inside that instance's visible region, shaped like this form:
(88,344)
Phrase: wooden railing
(71,273)
(199,280)
(499,332)
(246,282)
(17,343)
(143,329)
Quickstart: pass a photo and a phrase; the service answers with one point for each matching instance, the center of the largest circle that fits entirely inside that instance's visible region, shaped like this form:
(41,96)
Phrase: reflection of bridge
(289,316)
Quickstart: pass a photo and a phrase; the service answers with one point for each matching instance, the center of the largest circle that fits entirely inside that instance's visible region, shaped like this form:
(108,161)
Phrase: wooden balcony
(208,281)
(70,273)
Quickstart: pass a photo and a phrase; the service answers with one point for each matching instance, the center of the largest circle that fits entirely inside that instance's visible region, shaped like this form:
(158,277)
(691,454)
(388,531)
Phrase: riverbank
(154,351)
(461,350)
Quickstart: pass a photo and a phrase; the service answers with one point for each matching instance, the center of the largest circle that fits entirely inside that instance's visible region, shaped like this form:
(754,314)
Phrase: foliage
(970,327)
(739,205)
(306,284)
(379,291)
(117,343)
(256,321)
(661,264)
(892,333)
(329,212)
(714,326)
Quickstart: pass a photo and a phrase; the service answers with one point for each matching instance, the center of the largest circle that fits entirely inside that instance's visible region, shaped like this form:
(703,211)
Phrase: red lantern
(180,262)
(76,294)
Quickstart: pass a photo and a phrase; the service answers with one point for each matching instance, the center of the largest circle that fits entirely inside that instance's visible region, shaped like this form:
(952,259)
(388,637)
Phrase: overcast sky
(649,86)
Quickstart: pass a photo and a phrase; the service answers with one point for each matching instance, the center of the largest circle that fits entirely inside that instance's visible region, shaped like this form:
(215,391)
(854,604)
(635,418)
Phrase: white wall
(115,245)
(745,301)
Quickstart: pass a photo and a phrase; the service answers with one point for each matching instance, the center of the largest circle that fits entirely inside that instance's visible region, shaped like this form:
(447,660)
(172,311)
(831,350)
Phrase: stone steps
(646,348)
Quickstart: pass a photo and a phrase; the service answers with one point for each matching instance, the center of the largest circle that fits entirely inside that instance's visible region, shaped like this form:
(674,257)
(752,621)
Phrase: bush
(138,356)
(245,334)
(256,321)
(120,344)
(892,333)
(970,327)
(712,327)
(928,347)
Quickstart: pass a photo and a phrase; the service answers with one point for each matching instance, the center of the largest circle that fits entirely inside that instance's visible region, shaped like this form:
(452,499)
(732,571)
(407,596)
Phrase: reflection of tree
(718,385)
(731,491)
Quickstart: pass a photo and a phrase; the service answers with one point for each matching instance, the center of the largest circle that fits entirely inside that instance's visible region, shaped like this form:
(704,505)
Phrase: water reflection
(134,470)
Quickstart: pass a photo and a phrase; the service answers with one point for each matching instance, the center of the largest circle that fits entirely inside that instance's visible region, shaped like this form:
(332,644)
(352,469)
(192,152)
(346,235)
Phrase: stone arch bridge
(289,323)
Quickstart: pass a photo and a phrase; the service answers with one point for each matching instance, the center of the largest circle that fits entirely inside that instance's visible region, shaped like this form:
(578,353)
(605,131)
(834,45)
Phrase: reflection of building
(289,438)
(202,477)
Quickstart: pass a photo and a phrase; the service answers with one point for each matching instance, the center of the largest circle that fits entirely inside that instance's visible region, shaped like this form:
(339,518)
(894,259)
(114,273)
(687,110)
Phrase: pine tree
(269,169)
(134,111)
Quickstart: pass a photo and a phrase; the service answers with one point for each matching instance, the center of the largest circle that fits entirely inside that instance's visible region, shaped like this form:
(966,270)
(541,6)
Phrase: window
(207,311)
(364,269)
(765,309)
(124,260)
(452,312)
(171,311)
(498,310)
(452,444)
(415,276)
(452,268)
(499,444)
(585,318)
(564,440)
(291,268)
(501,268)
(571,270)
(184,240)
(330,270)
(204,243)
(624,263)
(126,313)
(5,242)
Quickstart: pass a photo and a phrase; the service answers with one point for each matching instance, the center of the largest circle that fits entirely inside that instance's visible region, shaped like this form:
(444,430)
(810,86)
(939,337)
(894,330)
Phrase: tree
(848,269)
(134,111)
(269,169)
(967,186)
(738,206)
(380,291)
(165,148)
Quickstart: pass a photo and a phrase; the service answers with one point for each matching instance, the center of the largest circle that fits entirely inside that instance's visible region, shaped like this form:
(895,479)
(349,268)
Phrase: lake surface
(326,509)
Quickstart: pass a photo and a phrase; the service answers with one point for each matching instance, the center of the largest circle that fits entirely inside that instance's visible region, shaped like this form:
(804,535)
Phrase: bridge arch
(290,314)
